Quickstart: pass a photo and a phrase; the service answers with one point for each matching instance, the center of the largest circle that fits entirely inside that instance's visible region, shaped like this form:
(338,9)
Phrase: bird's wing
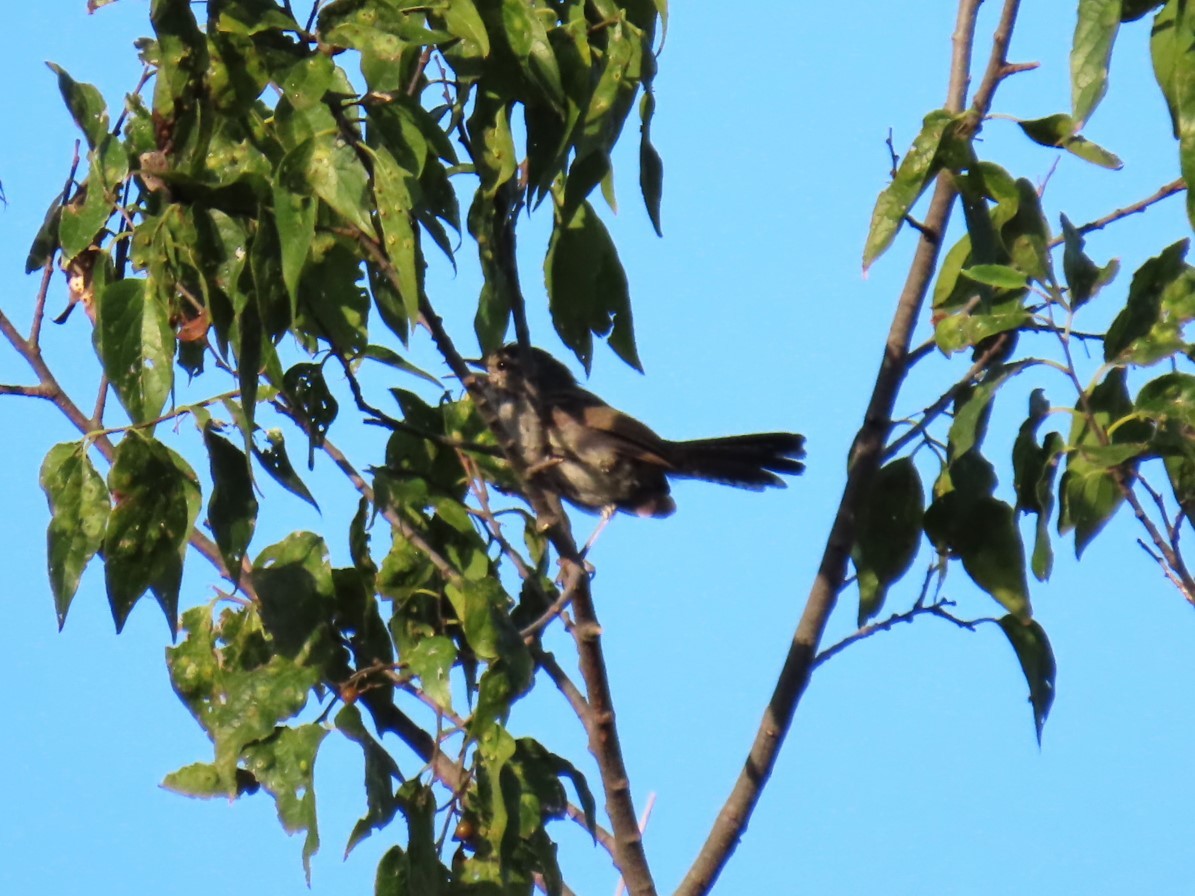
(619,432)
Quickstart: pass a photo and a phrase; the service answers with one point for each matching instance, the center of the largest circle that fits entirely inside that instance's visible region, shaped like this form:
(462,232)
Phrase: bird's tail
(751,461)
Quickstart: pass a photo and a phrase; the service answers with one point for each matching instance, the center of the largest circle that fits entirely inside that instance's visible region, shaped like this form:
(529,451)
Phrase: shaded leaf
(232,507)
(1036,657)
(269,447)
(381,774)
(587,288)
(1083,276)
(888,533)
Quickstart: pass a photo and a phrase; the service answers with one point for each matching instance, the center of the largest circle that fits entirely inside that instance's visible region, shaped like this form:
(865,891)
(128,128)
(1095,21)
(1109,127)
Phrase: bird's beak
(475,363)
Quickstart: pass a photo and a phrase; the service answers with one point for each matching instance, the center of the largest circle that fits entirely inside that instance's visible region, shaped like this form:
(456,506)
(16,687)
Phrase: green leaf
(391,358)
(381,773)
(394,210)
(888,533)
(86,105)
(1089,490)
(1034,467)
(1091,51)
(1166,51)
(968,328)
(82,219)
(45,243)
(270,451)
(1026,235)
(998,275)
(79,508)
(338,177)
(1036,657)
(1062,131)
(135,343)
(432,660)
(285,766)
(309,396)
(293,581)
(1160,302)
(528,40)
(916,170)
(651,166)
(1132,10)
(157,501)
(1083,276)
(982,531)
(973,407)
(463,20)
(232,507)
(587,288)
(295,210)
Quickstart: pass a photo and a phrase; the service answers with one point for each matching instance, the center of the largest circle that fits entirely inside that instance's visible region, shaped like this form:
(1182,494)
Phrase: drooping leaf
(310,397)
(284,764)
(1090,490)
(381,775)
(982,531)
(156,498)
(269,447)
(232,507)
(651,166)
(888,533)
(1036,657)
(587,288)
(79,508)
(1083,276)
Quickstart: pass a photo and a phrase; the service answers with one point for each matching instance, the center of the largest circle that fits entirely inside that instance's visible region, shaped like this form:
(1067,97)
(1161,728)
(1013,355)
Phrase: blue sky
(912,765)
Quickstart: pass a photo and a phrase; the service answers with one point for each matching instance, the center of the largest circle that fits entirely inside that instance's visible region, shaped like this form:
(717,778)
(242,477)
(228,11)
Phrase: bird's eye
(501,364)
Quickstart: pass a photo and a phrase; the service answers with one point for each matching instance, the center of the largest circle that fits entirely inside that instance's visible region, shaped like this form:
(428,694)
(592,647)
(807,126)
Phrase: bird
(601,459)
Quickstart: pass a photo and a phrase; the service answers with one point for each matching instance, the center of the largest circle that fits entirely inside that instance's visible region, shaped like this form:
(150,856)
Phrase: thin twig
(1175,186)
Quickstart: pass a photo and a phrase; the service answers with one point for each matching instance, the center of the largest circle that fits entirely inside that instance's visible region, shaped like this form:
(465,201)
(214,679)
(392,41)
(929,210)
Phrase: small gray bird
(599,458)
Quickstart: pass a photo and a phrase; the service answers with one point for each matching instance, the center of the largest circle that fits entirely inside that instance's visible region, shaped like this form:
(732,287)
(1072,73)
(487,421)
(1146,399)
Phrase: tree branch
(866,455)
(604,743)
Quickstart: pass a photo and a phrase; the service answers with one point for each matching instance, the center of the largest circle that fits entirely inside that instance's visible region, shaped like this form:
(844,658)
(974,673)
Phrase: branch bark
(866,456)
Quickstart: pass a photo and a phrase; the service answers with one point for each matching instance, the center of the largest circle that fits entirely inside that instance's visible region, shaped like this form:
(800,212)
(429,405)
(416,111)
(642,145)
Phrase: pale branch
(563,683)
(866,456)
(26,391)
(39,307)
(1167,571)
